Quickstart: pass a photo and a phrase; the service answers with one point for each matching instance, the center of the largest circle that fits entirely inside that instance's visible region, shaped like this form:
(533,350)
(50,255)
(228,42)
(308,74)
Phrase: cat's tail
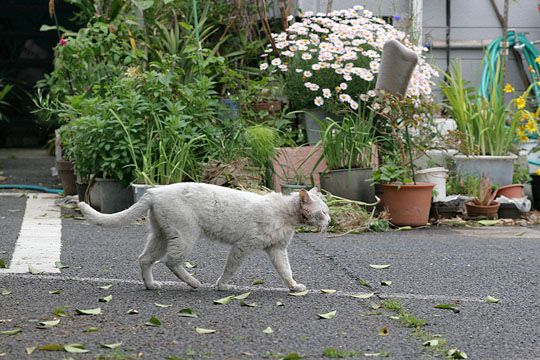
(117,219)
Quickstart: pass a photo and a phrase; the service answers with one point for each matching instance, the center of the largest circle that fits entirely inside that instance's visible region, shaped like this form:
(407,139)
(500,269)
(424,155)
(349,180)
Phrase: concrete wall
(473,22)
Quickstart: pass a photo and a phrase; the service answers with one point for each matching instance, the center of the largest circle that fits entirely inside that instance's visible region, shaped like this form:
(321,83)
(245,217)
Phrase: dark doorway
(26,54)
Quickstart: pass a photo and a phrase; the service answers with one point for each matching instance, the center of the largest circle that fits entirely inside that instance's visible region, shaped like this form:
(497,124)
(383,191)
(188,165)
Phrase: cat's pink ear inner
(314,190)
(304,197)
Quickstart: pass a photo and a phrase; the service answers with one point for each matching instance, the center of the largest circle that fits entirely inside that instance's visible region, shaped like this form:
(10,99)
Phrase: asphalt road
(456,266)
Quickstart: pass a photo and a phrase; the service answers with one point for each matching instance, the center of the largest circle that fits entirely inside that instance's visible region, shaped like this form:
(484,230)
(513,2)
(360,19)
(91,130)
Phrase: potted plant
(483,204)
(261,99)
(102,160)
(64,165)
(514,192)
(167,157)
(328,61)
(486,128)
(406,201)
(347,148)
(267,99)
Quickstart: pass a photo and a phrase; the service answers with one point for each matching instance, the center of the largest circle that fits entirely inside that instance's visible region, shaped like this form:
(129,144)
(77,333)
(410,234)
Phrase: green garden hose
(530,53)
(31,187)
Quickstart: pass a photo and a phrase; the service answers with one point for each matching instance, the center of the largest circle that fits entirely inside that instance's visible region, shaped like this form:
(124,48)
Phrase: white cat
(181,214)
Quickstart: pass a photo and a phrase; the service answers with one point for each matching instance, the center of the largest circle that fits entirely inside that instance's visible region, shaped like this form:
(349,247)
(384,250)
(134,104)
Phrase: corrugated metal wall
(476,20)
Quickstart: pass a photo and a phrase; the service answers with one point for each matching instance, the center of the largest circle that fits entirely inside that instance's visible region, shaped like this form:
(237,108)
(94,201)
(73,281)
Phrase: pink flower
(63,42)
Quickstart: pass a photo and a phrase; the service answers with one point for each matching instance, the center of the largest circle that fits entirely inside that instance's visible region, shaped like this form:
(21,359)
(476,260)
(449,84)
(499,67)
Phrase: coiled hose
(530,53)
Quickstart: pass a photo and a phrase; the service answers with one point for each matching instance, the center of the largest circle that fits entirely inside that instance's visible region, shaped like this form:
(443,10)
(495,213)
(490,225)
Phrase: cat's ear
(314,191)
(304,197)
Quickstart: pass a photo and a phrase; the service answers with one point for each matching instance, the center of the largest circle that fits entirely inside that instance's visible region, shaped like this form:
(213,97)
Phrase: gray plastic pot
(140,189)
(351,184)
(114,197)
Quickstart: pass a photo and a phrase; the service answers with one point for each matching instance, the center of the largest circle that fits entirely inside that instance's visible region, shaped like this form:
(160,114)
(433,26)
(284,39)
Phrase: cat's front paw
(152,286)
(298,288)
(223,287)
(195,283)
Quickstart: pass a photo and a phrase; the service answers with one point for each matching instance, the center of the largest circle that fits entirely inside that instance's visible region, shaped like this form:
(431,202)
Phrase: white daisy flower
(276,62)
(263,66)
(308,73)
(343,86)
(326,93)
(344,98)
(318,101)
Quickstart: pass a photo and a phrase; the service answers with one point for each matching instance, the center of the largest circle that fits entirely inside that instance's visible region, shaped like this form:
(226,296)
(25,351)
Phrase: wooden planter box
(291,160)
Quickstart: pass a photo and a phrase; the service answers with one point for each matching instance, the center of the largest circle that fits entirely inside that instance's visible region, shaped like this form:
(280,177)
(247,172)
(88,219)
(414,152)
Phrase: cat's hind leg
(280,259)
(154,250)
(234,260)
(179,247)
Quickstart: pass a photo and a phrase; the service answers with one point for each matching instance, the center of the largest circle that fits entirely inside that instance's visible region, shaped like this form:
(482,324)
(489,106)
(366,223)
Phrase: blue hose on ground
(32,187)
(529,53)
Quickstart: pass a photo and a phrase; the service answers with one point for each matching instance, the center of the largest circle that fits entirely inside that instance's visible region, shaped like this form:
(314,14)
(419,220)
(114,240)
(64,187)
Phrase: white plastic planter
(437,176)
(499,169)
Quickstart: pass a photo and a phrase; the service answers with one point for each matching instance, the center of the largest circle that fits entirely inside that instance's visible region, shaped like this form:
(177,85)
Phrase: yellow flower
(508,88)
(531,126)
(520,102)
(523,138)
(537,60)
(537,172)
(525,115)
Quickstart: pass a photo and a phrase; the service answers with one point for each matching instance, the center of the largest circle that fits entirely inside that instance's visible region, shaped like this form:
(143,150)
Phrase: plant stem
(410,152)
(197,35)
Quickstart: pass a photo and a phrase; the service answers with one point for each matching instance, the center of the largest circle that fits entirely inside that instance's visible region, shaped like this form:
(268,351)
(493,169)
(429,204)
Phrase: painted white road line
(178,284)
(39,240)
(14,194)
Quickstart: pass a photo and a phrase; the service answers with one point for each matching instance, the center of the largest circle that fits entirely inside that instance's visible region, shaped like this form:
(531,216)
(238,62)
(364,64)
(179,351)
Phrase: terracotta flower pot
(67,176)
(488,211)
(272,107)
(511,191)
(408,204)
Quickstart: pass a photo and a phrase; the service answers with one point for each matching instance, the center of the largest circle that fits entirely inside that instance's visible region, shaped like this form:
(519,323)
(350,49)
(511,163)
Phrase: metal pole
(448,21)
(416,10)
